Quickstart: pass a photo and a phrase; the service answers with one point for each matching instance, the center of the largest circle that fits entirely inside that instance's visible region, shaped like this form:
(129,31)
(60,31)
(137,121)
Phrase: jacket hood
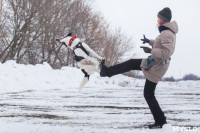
(172,26)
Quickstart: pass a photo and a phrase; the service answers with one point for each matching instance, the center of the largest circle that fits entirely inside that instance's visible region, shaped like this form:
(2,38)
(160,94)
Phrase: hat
(165,14)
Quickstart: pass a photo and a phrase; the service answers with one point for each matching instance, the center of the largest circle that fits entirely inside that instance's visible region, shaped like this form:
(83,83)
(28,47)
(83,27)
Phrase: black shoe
(103,69)
(156,125)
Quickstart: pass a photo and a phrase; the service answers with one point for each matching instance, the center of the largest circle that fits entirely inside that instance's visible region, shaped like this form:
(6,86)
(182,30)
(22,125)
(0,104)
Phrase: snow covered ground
(38,99)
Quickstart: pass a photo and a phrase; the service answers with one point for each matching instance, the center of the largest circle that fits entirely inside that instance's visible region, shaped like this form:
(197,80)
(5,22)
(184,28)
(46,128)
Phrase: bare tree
(191,77)
(21,24)
(115,46)
(1,4)
(31,27)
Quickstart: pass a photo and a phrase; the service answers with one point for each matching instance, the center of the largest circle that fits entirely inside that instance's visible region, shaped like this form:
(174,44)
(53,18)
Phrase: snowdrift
(113,93)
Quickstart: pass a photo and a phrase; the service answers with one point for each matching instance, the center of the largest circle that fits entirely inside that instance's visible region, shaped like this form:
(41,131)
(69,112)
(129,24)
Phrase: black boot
(156,125)
(103,68)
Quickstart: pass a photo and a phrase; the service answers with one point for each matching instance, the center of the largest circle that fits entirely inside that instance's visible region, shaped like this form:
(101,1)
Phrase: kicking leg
(132,64)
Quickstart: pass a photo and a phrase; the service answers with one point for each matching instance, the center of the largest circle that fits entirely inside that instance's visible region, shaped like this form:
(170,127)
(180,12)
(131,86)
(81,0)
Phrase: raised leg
(132,64)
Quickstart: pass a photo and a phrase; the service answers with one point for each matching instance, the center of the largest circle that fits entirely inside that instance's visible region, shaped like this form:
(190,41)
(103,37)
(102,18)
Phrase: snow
(44,100)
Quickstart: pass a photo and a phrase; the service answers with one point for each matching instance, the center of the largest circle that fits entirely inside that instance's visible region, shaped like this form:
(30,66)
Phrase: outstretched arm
(151,42)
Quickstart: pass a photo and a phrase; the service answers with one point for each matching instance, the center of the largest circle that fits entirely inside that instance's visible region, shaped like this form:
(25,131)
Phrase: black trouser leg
(156,111)
(132,64)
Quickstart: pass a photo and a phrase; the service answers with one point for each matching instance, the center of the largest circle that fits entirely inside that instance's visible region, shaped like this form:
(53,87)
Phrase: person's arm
(165,51)
(151,42)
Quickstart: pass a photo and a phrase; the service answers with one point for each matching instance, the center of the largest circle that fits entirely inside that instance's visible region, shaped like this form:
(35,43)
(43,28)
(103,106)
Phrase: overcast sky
(138,17)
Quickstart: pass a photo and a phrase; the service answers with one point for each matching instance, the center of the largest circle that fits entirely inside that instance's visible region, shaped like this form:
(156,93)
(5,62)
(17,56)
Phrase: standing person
(155,66)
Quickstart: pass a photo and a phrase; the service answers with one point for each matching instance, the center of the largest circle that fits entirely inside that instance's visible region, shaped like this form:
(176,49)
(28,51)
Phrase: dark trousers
(132,64)
(149,88)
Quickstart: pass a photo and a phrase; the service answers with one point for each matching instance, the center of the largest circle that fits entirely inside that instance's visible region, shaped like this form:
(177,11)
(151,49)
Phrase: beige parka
(162,49)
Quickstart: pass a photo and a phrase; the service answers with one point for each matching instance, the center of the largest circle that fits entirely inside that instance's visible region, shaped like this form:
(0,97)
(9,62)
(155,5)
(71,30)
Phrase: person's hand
(146,49)
(145,40)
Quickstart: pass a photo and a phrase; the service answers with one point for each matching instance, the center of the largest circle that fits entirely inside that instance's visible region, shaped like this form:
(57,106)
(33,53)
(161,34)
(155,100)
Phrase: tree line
(184,78)
(29,29)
